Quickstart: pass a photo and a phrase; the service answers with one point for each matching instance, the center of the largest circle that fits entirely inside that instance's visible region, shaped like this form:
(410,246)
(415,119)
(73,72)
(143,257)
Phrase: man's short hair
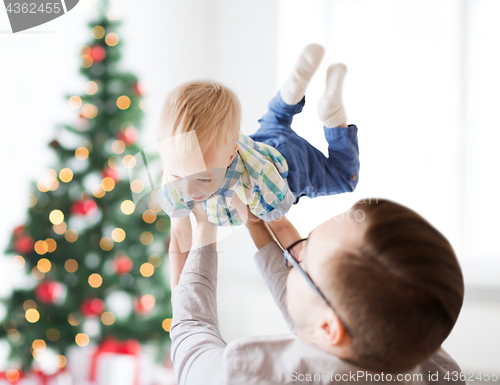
(401,292)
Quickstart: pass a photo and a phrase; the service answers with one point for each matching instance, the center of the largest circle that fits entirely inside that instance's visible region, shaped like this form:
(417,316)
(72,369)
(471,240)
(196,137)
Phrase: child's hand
(206,231)
(199,213)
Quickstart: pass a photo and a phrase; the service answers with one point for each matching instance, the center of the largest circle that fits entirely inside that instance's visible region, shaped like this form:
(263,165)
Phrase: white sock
(294,88)
(331,109)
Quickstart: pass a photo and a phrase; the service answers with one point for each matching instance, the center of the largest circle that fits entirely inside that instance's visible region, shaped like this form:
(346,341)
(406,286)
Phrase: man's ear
(333,332)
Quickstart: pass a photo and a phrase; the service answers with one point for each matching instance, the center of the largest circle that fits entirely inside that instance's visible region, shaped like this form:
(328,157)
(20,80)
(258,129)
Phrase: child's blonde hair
(209,109)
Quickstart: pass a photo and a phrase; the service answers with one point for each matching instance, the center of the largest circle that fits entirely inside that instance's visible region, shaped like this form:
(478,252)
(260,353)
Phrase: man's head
(392,278)
(198,136)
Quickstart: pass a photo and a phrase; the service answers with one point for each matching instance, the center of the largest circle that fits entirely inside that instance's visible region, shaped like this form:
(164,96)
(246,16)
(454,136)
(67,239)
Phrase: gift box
(112,362)
(62,377)
(36,377)
(5,379)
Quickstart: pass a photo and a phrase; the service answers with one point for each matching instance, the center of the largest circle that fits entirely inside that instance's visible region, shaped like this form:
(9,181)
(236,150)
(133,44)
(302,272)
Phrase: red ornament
(144,305)
(18,231)
(92,307)
(49,292)
(137,89)
(128,136)
(24,244)
(109,172)
(84,207)
(98,53)
(167,243)
(123,264)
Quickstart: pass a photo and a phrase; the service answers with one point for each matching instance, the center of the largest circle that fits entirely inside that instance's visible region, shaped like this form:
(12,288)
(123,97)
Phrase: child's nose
(189,188)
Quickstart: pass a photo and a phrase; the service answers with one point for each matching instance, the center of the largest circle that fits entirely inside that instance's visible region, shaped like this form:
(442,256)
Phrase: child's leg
(294,88)
(331,109)
(342,164)
(290,99)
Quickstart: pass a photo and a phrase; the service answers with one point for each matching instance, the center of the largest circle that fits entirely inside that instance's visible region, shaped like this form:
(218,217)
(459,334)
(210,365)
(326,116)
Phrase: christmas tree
(93,257)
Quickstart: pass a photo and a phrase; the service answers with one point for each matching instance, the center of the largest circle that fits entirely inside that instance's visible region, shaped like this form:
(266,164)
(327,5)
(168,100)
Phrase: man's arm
(284,231)
(197,346)
(269,259)
(180,244)
(270,263)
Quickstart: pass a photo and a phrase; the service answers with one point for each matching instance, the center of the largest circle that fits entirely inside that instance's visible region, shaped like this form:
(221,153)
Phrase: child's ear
(233,155)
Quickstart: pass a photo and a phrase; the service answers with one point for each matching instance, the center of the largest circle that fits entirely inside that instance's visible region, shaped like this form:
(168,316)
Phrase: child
(207,160)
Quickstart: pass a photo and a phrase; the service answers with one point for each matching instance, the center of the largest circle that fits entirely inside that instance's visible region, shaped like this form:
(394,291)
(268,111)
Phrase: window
(423,87)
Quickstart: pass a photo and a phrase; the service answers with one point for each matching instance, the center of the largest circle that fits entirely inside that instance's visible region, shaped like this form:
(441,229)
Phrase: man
(369,296)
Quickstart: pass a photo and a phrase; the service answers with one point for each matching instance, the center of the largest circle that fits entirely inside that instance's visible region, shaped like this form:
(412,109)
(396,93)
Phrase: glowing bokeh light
(73,319)
(166,324)
(44,265)
(71,235)
(108,184)
(41,247)
(32,200)
(81,153)
(129,161)
(118,235)
(52,244)
(75,102)
(149,216)
(91,87)
(98,191)
(66,175)
(60,228)
(147,269)
(146,238)
(106,243)
(118,146)
(137,186)
(98,32)
(56,217)
(123,102)
(112,39)
(18,262)
(127,207)
(39,345)
(108,318)
(71,265)
(95,280)
(32,315)
(89,111)
(82,339)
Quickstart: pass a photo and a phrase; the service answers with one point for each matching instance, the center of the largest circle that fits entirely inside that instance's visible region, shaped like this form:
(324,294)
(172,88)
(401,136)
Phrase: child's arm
(284,231)
(180,243)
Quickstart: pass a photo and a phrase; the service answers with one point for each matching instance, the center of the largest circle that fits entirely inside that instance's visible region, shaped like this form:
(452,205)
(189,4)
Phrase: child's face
(204,176)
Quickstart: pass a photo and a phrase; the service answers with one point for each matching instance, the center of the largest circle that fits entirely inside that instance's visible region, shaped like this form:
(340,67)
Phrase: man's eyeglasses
(291,261)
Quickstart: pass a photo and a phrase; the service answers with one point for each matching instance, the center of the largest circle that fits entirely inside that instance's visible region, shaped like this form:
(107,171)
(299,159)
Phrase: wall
(249,46)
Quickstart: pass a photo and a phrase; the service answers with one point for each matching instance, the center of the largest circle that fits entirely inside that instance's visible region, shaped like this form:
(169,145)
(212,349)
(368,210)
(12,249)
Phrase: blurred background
(422,87)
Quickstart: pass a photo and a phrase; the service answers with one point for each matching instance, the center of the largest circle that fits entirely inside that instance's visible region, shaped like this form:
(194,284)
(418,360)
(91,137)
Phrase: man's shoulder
(441,362)
(286,358)
(275,358)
